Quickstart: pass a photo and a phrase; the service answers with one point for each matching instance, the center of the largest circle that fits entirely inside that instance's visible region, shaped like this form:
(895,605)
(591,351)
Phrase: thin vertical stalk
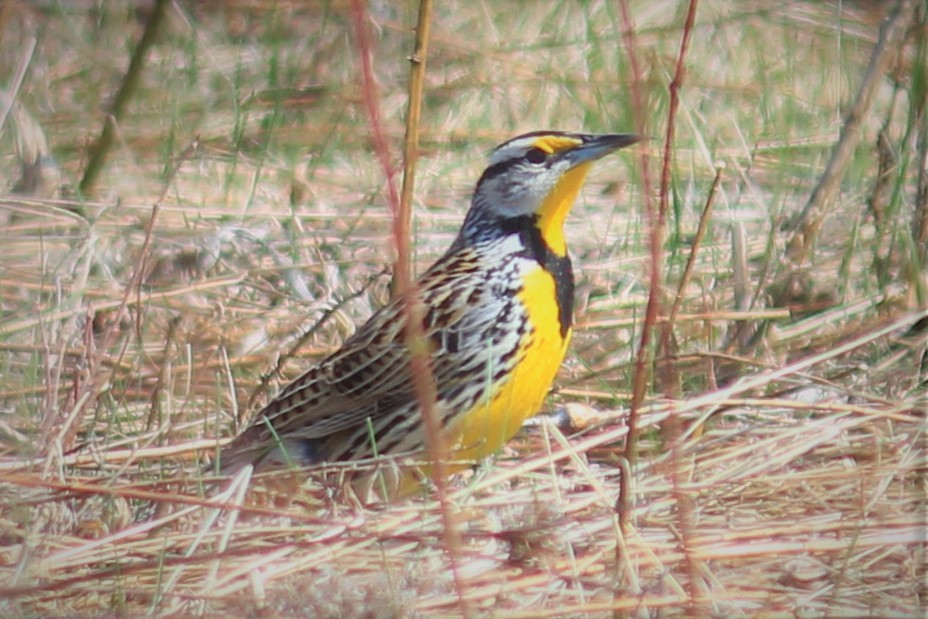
(697,243)
(419,360)
(640,373)
(103,144)
(657,220)
(674,436)
(411,145)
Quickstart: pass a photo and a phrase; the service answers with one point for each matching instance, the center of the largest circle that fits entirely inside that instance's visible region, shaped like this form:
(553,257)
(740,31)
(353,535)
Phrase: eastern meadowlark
(497,312)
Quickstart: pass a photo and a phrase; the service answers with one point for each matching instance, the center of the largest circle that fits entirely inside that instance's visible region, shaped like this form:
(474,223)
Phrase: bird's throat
(557,205)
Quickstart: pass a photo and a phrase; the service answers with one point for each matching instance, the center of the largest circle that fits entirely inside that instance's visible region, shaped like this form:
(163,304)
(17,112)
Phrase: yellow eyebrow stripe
(556,143)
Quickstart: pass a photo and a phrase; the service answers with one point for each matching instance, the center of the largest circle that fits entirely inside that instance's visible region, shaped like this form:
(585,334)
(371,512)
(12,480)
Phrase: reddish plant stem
(641,374)
(657,218)
(420,367)
(667,371)
(411,146)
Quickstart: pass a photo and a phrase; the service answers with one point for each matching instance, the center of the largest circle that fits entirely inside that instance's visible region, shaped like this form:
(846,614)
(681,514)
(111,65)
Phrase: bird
(496,311)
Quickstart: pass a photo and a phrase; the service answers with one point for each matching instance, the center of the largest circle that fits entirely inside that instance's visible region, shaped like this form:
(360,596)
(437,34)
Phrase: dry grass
(796,485)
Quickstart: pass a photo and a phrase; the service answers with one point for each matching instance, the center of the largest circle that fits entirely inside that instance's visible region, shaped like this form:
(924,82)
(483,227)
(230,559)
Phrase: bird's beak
(595,147)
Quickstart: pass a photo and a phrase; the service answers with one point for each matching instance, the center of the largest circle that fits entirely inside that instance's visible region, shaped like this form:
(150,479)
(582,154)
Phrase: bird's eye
(536,155)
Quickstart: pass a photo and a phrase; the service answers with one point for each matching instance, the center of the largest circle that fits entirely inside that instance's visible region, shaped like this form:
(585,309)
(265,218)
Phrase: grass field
(239,229)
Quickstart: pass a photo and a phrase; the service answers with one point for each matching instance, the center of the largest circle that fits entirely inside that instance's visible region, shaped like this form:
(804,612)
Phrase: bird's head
(537,176)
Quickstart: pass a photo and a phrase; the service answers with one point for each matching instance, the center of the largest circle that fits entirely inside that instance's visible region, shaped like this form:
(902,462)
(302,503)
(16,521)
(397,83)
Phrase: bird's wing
(369,376)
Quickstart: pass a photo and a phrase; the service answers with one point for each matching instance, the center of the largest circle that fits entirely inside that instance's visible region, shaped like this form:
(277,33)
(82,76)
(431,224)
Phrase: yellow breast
(491,424)
(484,429)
